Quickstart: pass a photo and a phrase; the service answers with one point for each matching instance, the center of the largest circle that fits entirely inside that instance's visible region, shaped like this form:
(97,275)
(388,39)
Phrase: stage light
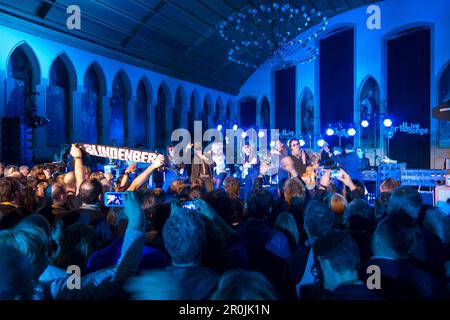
(302,142)
(244,135)
(219,127)
(320,142)
(261,134)
(235,127)
(351,131)
(330,131)
(387,122)
(364,123)
(272,144)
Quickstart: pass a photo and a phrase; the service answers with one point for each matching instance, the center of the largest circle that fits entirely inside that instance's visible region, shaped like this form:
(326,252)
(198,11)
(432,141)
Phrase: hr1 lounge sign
(411,128)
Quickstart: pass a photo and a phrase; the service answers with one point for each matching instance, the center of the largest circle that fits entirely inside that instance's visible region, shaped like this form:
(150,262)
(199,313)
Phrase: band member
(218,157)
(364,163)
(299,157)
(280,150)
(202,166)
(174,167)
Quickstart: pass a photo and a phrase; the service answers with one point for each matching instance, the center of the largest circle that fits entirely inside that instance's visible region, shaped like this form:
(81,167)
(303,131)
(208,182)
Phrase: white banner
(118,153)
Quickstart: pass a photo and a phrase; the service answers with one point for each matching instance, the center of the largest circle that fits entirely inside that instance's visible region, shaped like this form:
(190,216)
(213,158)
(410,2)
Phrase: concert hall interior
(225,149)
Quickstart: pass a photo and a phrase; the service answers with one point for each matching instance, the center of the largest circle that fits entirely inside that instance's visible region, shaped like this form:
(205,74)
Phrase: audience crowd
(193,243)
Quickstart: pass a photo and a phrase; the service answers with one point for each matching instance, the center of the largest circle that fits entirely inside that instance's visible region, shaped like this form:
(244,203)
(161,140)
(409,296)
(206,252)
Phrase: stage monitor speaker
(442,197)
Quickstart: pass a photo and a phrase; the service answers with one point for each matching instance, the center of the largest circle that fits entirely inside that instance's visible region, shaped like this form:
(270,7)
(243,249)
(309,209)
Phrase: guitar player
(299,157)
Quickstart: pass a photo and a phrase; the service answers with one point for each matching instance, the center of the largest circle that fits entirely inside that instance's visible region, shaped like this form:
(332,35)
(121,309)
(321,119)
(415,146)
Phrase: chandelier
(265,37)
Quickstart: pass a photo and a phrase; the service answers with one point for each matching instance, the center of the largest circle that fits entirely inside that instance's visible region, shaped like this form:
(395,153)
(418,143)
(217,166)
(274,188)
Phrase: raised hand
(131,168)
(75,152)
(159,162)
(133,211)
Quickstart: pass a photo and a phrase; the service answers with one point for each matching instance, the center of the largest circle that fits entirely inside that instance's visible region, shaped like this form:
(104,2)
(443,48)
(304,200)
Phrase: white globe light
(330,132)
(320,143)
(235,127)
(219,127)
(387,122)
(244,135)
(351,132)
(364,123)
(261,134)
(302,142)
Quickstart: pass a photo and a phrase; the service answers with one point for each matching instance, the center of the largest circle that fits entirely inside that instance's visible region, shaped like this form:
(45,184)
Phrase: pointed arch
(218,111)
(306,112)
(92,103)
(120,96)
(62,84)
(247,108)
(161,108)
(180,106)
(369,107)
(194,110)
(23,76)
(229,110)
(207,110)
(141,113)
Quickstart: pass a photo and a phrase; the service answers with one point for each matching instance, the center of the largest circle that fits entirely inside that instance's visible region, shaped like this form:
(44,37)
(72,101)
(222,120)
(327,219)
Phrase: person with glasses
(300,158)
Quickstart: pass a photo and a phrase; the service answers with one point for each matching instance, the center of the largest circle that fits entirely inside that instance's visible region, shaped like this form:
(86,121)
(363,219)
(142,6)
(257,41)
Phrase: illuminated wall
(370,61)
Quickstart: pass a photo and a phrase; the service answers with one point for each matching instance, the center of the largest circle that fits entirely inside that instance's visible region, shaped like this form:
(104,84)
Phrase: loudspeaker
(16,141)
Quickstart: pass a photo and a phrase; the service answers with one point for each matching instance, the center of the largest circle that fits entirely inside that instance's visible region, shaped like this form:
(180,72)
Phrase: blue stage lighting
(351,131)
(302,142)
(364,123)
(219,127)
(235,127)
(387,122)
(320,142)
(330,132)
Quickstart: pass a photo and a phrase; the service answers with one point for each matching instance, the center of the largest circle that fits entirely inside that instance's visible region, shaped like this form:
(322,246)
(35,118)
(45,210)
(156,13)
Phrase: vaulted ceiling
(178,38)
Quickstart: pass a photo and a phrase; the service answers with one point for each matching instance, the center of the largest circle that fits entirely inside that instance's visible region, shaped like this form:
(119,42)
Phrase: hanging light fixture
(267,37)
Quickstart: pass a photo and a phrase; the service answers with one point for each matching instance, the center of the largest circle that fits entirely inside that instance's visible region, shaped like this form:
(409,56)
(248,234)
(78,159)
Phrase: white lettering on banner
(119,153)
(74,20)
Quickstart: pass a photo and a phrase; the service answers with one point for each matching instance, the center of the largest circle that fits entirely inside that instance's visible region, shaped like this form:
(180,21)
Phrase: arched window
(369,107)
(23,77)
(248,112)
(193,111)
(140,127)
(118,104)
(94,90)
(179,108)
(207,107)
(59,101)
(307,112)
(160,117)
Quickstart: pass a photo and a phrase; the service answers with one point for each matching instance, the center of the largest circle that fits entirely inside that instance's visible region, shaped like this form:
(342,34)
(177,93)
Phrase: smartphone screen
(114,199)
(190,205)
